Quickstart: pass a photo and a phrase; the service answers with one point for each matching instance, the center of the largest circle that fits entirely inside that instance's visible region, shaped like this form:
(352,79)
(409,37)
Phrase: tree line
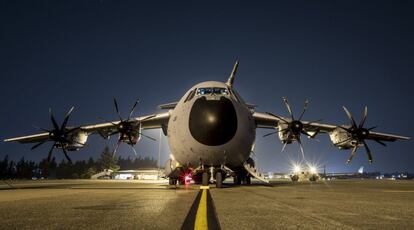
(83,169)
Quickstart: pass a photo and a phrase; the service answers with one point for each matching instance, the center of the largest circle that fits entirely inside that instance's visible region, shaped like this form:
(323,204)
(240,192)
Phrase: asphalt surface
(91,204)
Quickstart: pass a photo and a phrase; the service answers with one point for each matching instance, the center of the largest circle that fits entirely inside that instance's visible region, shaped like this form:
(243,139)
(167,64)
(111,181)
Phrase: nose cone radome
(213,122)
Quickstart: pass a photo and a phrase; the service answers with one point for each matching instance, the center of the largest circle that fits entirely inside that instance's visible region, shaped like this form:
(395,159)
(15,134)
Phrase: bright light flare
(313,168)
(187,179)
(296,168)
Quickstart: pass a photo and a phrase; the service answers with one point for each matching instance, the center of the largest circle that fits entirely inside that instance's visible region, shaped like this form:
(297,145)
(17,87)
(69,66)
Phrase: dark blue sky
(83,53)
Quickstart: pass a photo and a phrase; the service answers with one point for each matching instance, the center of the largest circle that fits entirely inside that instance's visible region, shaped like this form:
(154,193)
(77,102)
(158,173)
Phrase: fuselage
(211,126)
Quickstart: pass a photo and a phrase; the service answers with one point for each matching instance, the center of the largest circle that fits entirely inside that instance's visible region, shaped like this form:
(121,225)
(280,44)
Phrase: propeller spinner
(59,135)
(359,134)
(127,129)
(294,127)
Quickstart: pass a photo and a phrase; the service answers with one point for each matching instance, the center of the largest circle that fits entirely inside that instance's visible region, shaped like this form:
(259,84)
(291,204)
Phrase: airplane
(211,133)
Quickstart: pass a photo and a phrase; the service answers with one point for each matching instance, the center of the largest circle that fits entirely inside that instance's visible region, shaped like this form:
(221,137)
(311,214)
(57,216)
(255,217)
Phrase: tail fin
(232,75)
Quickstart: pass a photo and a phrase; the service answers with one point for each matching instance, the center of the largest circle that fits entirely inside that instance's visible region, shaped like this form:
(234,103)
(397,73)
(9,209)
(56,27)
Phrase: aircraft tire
(204,180)
(172,181)
(219,180)
(237,180)
(248,180)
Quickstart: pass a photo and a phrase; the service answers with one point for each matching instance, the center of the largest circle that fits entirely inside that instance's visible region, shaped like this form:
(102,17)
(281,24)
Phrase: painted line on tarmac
(400,191)
(202,214)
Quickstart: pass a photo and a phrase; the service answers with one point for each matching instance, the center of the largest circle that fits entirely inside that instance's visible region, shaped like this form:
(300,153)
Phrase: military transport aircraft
(211,133)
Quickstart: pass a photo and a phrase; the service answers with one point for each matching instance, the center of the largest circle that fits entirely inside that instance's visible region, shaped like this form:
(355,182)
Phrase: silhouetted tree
(106,160)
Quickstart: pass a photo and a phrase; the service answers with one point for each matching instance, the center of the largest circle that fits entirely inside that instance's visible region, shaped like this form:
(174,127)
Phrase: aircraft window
(204,91)
(220,91)
(217,91)
(190,95)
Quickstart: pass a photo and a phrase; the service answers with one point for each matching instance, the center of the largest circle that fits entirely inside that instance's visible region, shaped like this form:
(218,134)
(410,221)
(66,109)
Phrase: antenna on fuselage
(230,81)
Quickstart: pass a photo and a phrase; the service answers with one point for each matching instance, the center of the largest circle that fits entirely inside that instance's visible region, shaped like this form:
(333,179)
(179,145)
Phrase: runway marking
(201,217)
(202,214)
(398,190)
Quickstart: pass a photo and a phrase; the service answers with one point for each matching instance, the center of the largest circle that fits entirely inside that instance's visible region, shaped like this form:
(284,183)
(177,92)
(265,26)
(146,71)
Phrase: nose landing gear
(215,175)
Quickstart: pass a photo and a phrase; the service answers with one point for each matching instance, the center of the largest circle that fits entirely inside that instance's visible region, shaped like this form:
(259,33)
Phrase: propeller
(126,128)
(359,133)
(59,135)
(295,127)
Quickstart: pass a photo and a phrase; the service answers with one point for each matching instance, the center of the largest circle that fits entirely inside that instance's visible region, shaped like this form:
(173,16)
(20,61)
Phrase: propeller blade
(368,152)
(72,130)
(364,118)
(352,154)
(288,107)
(301,147)
(38,144)
(270,134)
(39,128)
(284,146)
(114,132)
(380,142)
(350,116)
(280,118)
(133,149)
(65,121)
(55,125)
(304,109)
(133,109)
(49,155)
(148,137)
(66,155)
(372,128)
(117,109)
(116,147)
(346,129)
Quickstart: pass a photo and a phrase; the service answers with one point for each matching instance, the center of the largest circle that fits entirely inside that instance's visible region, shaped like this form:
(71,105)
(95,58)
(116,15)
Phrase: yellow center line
(201,216)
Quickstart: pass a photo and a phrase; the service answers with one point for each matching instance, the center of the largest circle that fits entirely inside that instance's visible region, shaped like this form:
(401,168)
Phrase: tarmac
(109,204)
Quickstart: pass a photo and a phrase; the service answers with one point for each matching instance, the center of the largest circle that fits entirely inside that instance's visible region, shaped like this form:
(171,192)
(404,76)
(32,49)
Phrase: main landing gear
(239,179)
(172,181)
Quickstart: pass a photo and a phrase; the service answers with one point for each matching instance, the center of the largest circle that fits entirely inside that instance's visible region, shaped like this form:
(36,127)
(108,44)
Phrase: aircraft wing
(30,138)
(153,121)
(271,121)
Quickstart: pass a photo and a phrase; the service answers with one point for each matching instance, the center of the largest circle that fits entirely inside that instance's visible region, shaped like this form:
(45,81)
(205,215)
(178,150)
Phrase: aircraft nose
(213,122)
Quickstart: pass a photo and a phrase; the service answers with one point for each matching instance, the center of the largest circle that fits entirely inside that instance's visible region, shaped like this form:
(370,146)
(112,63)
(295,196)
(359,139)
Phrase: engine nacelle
(76,141)
(133,140)
(131,135)
(342,139)
(285,136)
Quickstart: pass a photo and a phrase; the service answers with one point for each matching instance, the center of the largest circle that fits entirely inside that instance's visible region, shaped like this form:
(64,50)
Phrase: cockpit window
(190,95)
(215,90)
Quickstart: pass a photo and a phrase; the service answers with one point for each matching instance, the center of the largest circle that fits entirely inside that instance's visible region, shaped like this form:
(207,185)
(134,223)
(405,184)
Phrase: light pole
(159,154)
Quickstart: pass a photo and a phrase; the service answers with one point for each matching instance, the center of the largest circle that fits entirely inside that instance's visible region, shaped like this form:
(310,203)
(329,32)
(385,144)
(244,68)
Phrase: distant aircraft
(211,133)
